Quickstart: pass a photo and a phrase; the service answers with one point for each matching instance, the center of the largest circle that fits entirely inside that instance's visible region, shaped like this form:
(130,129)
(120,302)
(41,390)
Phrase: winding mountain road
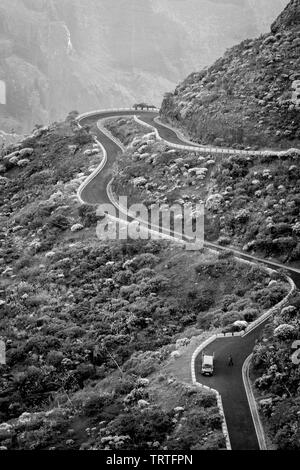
(228,381)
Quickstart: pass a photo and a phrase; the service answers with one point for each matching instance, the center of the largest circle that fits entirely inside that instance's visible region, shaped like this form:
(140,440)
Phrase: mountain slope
(92,326)
(58,55)
(249,96)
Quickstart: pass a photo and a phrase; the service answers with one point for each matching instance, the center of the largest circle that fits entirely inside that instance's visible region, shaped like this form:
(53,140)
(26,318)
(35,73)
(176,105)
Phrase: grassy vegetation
(124,129)
(252,202)
(245,97)
(277,378)
(83,329)
(90,326)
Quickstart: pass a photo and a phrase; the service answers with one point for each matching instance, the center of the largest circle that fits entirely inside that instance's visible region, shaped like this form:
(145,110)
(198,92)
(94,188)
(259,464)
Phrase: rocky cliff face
(57,55)
(250,96)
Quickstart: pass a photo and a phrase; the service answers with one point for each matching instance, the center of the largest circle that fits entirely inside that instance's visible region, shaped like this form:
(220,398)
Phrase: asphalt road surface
(227,380)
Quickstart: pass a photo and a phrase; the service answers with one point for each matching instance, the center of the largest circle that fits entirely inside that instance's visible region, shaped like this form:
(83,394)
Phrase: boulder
(26,152)
(182,342)
(5,431)
(175,354)
(284,331)
(179,409)
(77,227)
(241,324)
(72,148)
(293,168)
(142,148)
(91,152)
(139,181)
(143,403)
(142,382)
(290,310)
(17,228)
(50,254)
(39,132)
(6,158)
(136,141)
(7,272)
(56,196)
(214,201)
(13,160)
(292,152)
(23,162)
(266,402)
(3,180)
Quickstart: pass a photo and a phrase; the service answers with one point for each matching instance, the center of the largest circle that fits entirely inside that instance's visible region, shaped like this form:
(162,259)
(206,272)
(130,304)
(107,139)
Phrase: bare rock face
(59,55)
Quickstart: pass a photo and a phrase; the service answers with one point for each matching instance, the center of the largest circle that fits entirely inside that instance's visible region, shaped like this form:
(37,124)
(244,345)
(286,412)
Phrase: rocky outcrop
(247,97)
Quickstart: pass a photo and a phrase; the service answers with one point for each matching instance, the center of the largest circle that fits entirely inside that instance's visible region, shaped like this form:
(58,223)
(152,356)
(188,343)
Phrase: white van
(207,364)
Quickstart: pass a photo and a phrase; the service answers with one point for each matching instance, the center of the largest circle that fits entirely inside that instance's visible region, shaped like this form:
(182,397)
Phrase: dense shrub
(278,377)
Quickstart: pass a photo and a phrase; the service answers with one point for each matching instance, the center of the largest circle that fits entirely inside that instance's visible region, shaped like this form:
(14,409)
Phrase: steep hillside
(92,327)
(252,202)
(250,95)
(57,55)
(277,378)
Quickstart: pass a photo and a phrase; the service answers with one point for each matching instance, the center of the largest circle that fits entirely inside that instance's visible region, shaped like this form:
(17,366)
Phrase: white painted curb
(251,327)
(94,173)
(252,404)
(203,149)
(205,387)
(245,369)
(106,132)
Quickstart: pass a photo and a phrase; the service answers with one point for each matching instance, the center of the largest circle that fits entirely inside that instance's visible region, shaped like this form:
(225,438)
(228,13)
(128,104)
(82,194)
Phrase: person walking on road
(230,360)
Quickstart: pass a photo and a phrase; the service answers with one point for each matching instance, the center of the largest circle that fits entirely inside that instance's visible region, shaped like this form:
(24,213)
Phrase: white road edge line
(205,387)
(253,326)
(211,339)
(252,404)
